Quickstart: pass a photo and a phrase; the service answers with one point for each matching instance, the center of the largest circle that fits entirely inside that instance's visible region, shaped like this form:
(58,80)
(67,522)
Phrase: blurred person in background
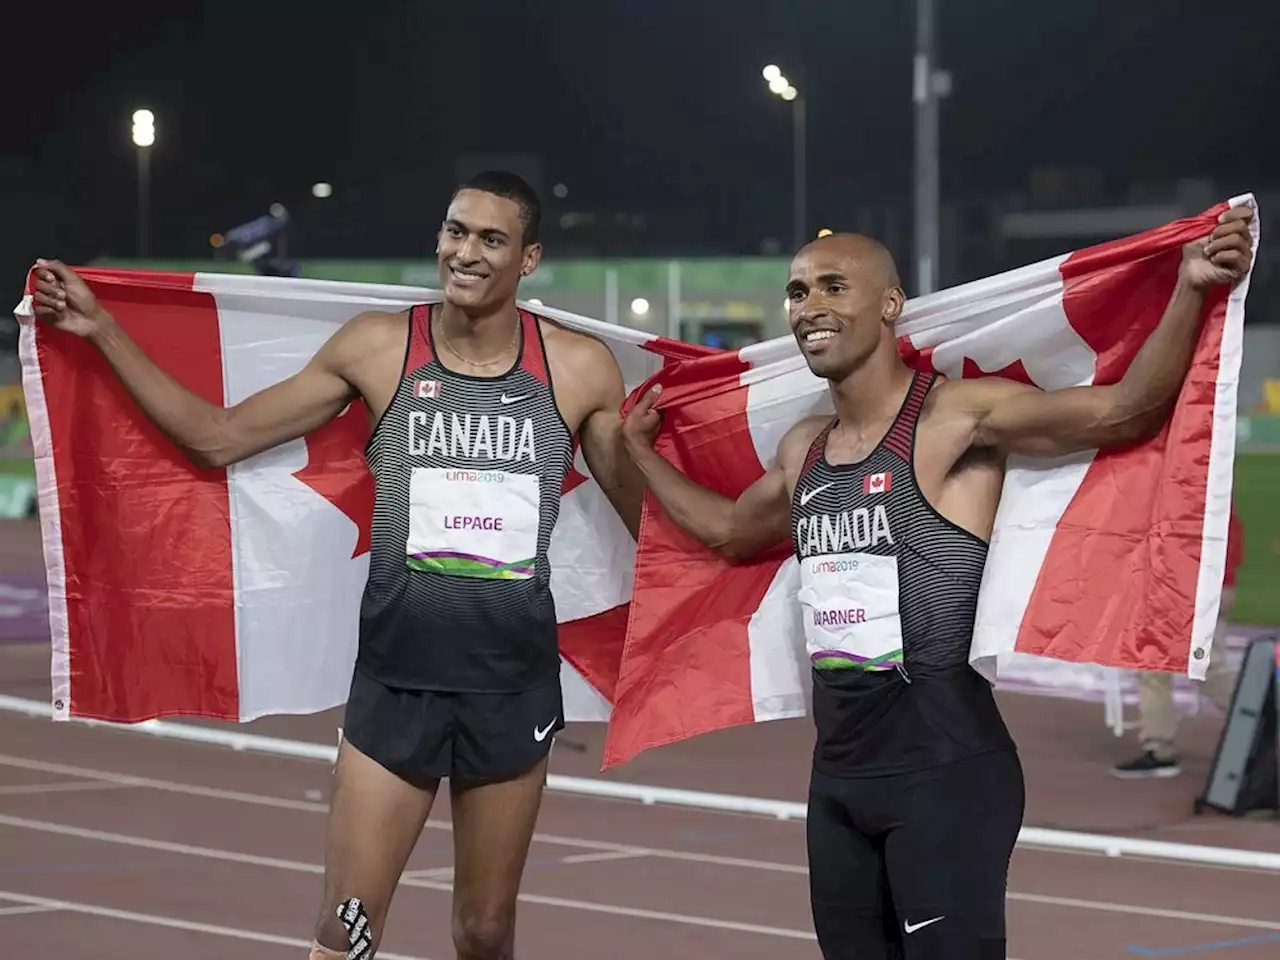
(1157,715)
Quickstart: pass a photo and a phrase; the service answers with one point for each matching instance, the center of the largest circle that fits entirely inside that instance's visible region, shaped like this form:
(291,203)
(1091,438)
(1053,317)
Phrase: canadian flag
(877,482)
(234,593)
(1114,558)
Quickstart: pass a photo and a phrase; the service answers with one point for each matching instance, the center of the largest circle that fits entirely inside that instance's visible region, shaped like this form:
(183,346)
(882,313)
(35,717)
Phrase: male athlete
(475,406)
(917,793)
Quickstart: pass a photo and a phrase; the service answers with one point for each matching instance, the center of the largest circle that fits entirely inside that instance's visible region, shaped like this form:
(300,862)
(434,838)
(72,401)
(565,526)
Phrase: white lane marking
(284,803)
(429,873)
(1145,911)
(701,800)
(603,857)
(173,923)
(230,856)
(27,789)
(23,911)
(422,878)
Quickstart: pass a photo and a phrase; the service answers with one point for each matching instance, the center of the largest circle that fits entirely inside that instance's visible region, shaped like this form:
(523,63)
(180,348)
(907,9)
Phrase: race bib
(473,523)
(850,605)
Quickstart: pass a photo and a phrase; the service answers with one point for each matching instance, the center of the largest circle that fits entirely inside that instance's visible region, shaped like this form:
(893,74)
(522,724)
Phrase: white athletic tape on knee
(359,934)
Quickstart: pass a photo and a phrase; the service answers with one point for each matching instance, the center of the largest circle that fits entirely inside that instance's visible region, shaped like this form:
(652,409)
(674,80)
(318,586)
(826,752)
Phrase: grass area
(1258,581)
(17,468)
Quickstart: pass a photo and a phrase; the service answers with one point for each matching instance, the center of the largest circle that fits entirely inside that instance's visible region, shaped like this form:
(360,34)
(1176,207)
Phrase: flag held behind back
(234,593)
(1111,558)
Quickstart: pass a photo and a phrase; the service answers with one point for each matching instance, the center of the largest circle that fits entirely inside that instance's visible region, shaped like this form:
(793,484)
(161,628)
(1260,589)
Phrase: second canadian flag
(877,482)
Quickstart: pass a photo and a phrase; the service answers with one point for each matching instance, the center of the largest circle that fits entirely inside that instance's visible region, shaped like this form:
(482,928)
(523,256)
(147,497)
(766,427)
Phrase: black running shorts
(422,736)
(915,865)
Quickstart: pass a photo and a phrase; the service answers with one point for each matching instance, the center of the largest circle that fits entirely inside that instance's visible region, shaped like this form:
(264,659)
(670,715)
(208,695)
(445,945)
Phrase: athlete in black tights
(916,796)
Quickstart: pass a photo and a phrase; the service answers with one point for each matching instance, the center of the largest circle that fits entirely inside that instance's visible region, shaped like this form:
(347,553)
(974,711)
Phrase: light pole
(780,85)
(929,86)
(144,135)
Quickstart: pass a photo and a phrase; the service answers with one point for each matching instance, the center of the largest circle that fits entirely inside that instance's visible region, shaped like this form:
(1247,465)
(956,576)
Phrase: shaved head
(862,252)
(843,299)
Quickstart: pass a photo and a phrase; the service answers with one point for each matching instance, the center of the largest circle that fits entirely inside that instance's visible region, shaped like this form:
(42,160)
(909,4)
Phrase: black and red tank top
(468,473)
(888,592)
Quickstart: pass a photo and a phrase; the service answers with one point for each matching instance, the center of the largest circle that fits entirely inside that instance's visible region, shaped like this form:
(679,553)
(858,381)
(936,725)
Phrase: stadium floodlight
(784,88)
(144,128)
(322,190)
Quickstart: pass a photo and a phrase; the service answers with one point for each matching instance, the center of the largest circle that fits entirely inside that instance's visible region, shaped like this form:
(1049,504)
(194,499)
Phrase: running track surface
(115,843)
(118,844)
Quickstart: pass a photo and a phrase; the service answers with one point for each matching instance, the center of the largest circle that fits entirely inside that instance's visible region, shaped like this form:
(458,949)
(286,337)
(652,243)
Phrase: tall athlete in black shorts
(475,406)
(916,796)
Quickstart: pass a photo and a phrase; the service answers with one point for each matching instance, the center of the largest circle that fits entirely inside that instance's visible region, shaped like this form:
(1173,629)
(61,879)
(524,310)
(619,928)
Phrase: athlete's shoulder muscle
(584,372)
(794,446)
(953,414)
(369,351)
(589,392)
(366,336)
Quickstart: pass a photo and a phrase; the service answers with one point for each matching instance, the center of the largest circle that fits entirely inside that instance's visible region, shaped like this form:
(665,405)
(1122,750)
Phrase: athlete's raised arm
(601,433)
(736,529)
(209,434)
(1021,419)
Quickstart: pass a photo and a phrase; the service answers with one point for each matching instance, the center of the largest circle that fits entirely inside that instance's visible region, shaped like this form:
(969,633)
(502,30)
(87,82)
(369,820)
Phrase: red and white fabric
(234,593)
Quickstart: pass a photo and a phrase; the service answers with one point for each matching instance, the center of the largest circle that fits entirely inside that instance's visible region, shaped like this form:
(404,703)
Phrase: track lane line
(314,806)
(173,923)
(410,880)
(298,866)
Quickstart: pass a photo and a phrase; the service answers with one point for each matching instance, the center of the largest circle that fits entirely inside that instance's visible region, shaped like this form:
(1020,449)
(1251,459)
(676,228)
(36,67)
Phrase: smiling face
(482,254)
(843,298)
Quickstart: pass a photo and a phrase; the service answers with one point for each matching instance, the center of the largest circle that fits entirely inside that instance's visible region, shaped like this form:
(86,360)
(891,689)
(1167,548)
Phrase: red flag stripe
(686,667)
(1151,563)
(150,600)
(593,647)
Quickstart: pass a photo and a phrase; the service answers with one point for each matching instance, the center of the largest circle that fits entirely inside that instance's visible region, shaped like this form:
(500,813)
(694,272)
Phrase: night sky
(640,107)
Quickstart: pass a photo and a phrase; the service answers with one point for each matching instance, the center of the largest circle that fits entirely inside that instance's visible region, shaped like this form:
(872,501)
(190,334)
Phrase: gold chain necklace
(479,363)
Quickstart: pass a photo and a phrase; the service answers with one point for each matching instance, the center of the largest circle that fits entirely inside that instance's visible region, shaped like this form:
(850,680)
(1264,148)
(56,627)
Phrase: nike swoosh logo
(913,927)
(506,399)
(810,494)
(541,735)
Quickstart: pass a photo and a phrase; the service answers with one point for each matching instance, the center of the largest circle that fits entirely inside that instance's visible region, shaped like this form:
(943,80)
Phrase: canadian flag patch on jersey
(877,482)
(426,388)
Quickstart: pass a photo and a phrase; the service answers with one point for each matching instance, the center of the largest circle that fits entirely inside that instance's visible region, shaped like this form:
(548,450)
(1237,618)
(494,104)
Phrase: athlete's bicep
(611,467)
(601,439)
(761,516)
(1021,419)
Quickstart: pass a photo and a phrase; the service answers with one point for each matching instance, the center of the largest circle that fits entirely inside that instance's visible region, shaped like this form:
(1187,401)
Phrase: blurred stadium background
(730,301)
(677,173)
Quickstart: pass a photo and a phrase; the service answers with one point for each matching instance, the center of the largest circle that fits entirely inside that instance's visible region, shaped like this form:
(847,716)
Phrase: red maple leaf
(1014,371)
(336,469)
